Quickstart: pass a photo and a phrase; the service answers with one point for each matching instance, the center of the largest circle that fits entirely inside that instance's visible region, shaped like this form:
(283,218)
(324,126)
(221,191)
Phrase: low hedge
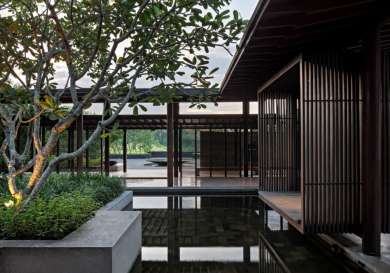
(63,205)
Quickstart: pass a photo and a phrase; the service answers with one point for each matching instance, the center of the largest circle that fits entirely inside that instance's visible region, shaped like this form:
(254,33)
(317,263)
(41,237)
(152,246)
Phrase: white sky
(218,57)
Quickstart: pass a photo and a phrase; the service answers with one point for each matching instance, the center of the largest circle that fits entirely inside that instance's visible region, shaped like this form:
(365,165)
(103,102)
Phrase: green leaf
(214,70)
(135,110)
(236,15)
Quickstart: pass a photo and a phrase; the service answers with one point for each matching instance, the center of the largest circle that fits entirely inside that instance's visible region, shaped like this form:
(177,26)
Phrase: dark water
(225,234)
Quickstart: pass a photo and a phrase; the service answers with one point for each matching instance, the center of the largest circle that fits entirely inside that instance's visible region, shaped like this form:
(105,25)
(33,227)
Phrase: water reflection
(223,234)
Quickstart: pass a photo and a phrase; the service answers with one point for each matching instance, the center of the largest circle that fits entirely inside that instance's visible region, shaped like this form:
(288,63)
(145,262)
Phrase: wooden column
(176,139)
(251,148)
(79,142)
(101,156)
(124,146)
(210,151)
(245,107)
(196,151)
(372,143)
(106,144)
(71,148)
(181,151)
(170,141)
(225,151)
(87,151)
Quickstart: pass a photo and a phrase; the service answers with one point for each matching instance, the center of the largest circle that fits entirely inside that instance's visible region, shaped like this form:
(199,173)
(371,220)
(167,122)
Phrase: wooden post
(170,141)
(181,151)
(372,144)
(251,148)
(101,156)
(196,152)
(240,151)
(176,139)
(71,148)
(225,151)
(245,106)
(124,146)
(106,144)
(87,151)
(79,142)
(210,151)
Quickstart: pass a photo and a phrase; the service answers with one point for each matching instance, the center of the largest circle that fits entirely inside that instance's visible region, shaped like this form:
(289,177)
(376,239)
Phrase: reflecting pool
(225,234)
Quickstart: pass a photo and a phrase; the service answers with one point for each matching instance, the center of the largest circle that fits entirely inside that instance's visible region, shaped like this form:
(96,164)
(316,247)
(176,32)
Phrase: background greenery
(146,141)
(64,204)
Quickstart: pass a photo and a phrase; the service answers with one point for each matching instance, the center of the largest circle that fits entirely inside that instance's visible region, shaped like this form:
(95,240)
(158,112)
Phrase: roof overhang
(280,30)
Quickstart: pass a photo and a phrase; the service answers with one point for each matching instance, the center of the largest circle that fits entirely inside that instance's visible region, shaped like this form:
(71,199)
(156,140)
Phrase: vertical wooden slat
(386,144)
(330,130)
(372,142)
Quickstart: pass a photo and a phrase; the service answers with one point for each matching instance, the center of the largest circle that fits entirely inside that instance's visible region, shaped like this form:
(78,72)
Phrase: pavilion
(320,71)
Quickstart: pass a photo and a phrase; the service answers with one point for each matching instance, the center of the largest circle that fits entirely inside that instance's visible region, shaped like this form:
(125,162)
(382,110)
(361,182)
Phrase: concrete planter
(109,242)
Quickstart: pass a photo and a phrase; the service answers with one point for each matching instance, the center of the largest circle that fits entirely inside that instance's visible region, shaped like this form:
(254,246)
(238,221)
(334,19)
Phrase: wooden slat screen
(331,102)
(386,144)
(278,140)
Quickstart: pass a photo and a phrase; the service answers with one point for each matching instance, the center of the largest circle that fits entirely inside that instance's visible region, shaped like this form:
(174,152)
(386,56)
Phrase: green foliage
(64,204)
(48,218)
(138,141)
(102,188)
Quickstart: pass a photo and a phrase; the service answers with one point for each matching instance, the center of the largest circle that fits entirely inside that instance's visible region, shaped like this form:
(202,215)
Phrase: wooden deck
(287,204)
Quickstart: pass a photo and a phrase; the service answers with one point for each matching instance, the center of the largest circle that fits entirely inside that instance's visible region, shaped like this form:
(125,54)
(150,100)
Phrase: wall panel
(331,101)
(278,139)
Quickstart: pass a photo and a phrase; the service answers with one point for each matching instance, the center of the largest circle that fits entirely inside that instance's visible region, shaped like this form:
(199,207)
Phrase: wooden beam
(279,74)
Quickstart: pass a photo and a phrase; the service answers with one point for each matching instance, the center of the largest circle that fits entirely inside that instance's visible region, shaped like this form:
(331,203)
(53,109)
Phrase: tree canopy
(113,43)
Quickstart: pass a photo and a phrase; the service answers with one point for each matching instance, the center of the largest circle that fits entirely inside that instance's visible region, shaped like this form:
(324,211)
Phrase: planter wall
(109,242)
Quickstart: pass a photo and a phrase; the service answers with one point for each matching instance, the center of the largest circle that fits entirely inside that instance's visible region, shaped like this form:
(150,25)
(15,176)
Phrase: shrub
(48,218)
(62,206)
(102,188)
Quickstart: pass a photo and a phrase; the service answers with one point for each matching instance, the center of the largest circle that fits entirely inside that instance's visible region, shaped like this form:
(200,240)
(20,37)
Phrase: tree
(114,43)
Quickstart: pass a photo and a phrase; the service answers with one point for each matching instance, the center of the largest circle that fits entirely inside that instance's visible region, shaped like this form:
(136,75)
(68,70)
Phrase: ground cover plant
(63,205)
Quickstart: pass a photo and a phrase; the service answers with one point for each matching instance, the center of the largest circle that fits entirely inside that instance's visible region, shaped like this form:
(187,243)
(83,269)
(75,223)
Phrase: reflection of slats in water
(209,267)
(270,262)
(205,227)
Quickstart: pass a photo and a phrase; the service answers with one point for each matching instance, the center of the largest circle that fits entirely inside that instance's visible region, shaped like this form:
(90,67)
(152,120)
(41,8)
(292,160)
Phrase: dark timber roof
(279,30)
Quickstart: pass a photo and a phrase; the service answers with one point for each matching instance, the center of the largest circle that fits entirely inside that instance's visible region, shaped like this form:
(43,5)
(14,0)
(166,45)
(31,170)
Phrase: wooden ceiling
(279,30)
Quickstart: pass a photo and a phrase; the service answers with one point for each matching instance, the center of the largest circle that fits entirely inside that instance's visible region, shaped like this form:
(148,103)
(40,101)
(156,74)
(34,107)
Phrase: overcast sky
(218,57)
